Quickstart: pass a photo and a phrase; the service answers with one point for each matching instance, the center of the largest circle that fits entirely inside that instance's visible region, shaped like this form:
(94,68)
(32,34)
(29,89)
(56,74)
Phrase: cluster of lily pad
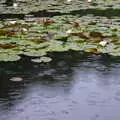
(36,37)
(62,6)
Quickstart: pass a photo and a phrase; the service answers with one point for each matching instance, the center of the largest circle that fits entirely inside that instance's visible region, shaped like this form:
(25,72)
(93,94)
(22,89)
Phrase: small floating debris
(16,79)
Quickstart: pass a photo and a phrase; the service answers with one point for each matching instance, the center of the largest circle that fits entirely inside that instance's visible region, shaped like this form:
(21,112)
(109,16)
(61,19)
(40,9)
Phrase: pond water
(74,85)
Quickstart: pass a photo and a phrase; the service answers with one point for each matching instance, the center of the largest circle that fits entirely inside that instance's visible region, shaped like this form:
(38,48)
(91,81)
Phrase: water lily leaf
(72,46)
(92,23)
(6,32)
(7,46)
(73,24)
(81,35)
(42,59)
(35,53)
(55,45)
(116,42)
(95,34)
(93,50)
(47,36)
(64,39)
(9,57)
(115,53)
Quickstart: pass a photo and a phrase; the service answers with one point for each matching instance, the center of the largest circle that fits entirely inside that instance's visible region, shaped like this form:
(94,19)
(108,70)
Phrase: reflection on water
(73,86)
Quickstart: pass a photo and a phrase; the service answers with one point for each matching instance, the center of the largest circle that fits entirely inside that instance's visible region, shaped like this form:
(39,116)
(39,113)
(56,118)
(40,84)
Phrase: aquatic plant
(36,37)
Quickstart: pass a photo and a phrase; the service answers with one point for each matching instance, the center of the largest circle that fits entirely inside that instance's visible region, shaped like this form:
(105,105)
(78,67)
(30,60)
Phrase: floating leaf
(6,32)
(74,24)
(95,34)
(93,50)
(42,59)
(35,53)
(81,35)
(92,23)
(9,57)
(7,46)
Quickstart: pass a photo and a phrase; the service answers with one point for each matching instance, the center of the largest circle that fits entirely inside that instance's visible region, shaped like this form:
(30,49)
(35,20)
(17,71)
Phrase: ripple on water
(73,88)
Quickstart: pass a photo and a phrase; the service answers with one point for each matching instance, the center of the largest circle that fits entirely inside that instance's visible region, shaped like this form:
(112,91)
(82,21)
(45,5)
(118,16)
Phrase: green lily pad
(9,57)
(35,53)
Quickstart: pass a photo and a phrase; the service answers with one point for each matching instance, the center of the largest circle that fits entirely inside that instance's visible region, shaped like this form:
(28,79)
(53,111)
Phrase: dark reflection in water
(74,85)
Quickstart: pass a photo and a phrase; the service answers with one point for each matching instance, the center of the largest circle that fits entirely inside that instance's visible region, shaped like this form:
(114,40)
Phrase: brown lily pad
(7,46)
(6,32)
(80,34)
(74,24)
(92,23)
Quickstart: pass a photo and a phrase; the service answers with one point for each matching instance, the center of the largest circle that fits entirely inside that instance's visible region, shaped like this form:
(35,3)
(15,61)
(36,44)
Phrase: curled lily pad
(93,50)
(42,59)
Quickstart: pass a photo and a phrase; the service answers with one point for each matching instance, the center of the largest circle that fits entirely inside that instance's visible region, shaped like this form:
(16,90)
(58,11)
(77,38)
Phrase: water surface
(74,85)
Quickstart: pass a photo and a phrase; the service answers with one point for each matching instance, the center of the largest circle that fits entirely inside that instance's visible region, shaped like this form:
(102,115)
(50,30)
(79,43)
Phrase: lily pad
(42,59)
(35,53)
(9,57)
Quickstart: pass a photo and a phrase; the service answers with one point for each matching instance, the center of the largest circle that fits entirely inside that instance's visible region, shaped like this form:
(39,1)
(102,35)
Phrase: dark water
(74,86)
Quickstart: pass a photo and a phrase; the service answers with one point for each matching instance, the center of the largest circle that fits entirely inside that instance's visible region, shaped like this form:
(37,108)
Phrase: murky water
(74,85)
